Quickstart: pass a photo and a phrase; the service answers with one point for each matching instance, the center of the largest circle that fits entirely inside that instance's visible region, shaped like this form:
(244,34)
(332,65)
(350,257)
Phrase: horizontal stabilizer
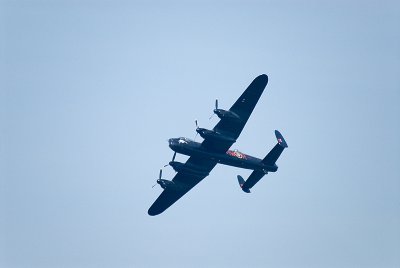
(254,177)
(274,154)
(269,160)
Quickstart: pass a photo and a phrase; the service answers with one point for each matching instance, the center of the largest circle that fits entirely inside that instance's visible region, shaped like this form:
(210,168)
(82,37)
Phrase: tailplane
(241,183)
(254,177)
(274,154)
(269,161)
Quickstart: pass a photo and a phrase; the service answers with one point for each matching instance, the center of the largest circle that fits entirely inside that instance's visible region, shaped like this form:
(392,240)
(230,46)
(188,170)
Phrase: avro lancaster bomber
(214,150)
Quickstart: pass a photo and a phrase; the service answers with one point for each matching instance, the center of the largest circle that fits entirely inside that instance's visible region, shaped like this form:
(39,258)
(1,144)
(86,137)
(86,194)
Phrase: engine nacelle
(223,114)
(170,185)
(212,135)
(187,169)
(267,169)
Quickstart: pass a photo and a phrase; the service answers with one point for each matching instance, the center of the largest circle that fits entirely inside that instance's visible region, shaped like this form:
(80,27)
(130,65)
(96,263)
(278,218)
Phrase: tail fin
(274,154)
(241,183)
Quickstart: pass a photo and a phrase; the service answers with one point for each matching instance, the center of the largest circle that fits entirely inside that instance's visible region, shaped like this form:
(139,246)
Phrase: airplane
(214,149)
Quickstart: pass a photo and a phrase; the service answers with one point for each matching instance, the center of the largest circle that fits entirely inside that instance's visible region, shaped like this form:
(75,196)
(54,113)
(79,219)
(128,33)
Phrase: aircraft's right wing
(242,108)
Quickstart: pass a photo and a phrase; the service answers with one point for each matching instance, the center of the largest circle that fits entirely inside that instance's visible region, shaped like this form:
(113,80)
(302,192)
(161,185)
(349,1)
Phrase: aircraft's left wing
(182,183)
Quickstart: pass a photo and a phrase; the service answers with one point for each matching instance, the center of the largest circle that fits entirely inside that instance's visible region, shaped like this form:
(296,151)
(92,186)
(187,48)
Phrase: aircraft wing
(183,183)
(242,108)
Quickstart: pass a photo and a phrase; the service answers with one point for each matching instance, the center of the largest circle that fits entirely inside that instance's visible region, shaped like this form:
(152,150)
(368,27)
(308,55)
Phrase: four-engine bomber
(215,150)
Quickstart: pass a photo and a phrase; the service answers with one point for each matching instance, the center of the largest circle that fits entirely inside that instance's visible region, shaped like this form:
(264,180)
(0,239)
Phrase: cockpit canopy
(184,139)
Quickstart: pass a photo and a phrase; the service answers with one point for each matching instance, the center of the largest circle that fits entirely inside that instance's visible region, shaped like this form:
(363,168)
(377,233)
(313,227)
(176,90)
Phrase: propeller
(173,159)
(197,127)
(159,177)
(216,108)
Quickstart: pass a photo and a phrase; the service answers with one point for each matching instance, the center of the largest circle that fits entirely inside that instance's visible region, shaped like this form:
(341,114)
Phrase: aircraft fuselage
(231,157)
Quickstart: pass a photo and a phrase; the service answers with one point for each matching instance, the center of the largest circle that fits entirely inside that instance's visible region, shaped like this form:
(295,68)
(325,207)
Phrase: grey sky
(91,91)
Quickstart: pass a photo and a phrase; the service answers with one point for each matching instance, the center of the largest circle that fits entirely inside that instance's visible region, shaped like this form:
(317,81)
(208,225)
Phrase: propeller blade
(216,108)
(173,159)
(159,178)
(197,127)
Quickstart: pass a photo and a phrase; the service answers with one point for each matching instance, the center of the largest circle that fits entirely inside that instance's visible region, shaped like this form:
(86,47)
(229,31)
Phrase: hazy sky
(92,90)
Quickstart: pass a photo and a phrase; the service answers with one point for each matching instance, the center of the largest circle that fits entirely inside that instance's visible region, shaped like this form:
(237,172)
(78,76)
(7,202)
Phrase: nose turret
(172,143)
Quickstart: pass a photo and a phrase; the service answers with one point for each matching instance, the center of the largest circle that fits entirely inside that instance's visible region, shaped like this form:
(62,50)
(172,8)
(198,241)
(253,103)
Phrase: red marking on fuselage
(236,154)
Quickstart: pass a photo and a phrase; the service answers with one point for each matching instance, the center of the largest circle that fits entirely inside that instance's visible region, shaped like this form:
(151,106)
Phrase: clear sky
(91,91)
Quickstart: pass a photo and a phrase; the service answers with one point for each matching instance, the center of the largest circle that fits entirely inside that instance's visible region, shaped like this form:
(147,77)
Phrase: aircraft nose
(172,143)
